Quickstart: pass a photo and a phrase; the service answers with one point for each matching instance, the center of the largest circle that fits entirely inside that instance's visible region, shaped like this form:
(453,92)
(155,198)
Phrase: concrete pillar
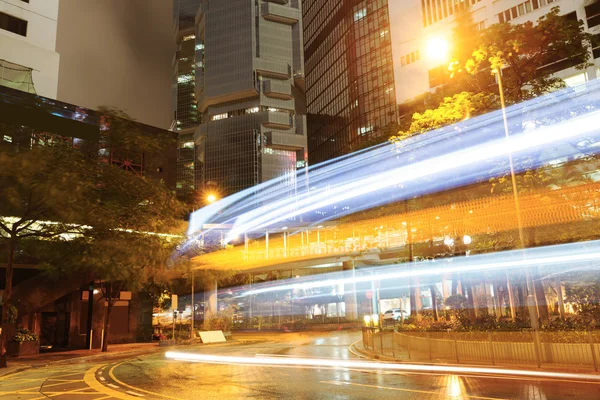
(210,302)
(98,312)
(445,294)
(561,301)
(350,291)
(511,299)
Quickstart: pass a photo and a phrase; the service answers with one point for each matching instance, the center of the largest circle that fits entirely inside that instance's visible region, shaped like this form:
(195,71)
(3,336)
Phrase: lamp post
(531,303)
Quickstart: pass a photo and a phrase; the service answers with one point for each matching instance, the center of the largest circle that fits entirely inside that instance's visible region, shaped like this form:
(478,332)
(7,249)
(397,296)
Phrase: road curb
(374,356)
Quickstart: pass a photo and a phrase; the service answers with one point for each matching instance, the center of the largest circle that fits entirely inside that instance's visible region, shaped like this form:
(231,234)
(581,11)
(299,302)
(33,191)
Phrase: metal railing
(566,348)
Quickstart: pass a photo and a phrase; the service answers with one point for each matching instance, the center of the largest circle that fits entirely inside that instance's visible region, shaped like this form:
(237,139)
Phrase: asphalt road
(152,376)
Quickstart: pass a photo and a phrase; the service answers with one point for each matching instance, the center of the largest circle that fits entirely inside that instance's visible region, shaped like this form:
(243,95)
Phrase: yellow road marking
(114,378)
(90,379)
(344,383)
(20,390)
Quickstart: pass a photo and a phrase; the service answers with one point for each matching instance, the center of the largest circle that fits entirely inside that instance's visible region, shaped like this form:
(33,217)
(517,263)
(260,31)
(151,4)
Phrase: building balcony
(277,89)
(276,119)
(279,13)
(272,69)
(285,141)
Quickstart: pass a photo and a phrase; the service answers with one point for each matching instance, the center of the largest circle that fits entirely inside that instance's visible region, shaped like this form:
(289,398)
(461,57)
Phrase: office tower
(349,74)
(250,92)
(28,57)
(186,108)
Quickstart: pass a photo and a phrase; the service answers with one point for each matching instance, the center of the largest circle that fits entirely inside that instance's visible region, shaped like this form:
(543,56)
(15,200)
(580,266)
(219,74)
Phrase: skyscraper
(349,74)
(250,92)
(186,108)
(28,57)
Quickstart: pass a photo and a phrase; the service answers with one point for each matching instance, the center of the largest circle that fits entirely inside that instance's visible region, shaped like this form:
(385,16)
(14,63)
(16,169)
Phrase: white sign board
(212,337)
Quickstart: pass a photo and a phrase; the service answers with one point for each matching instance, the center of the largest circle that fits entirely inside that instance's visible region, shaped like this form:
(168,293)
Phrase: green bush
(25,335)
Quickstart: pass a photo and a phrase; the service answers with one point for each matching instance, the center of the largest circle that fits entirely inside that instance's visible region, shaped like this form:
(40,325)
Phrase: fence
(577,348)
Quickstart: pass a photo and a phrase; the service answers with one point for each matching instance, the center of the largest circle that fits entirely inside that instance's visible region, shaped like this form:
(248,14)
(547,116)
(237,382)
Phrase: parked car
(395,314)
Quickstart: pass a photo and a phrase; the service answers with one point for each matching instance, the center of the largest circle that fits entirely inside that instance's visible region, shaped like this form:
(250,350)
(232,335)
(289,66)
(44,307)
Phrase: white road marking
(135,394)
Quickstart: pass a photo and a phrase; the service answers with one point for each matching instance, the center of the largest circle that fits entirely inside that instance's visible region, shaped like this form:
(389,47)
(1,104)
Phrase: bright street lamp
(438,49)
(211,198)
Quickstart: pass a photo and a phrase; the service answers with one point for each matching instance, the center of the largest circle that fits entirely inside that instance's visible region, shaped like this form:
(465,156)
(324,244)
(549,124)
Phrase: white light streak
(325,363)
(542,257)
(434,161)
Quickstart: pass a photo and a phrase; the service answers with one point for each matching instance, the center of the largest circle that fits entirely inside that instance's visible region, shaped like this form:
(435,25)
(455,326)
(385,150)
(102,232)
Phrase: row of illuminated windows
(522,9)
(245,111)
(13,24)
(410,58)
(436,10)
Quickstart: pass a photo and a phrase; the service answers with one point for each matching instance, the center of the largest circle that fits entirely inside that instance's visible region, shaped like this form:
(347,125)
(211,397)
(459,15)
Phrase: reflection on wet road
(158,377)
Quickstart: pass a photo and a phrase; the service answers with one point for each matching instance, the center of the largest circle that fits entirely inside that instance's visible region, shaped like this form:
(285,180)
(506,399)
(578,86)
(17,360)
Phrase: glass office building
(250,91)
(349,74)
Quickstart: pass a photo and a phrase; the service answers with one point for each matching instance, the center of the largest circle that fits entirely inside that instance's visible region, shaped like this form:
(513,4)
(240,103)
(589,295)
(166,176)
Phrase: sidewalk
(17,364)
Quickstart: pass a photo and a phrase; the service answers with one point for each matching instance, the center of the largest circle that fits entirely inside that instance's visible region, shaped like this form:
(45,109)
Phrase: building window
(360,14)
(25,1)
(592,14)
(218,117)
(13,24)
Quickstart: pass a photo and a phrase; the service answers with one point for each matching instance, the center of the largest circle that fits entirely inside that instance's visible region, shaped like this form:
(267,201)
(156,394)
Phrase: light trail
(565,256)
(344,364)
(462,154)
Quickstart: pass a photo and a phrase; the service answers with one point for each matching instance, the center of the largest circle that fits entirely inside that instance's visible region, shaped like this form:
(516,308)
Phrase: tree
(526,53)
(37,186)
(453,109)
(55,192)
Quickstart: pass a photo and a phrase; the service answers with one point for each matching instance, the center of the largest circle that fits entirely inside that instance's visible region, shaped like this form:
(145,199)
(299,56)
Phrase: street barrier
(567,348)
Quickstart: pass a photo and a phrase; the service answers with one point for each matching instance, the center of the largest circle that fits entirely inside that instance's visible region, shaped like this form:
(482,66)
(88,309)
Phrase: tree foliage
(70,198)
(527,55)
(453,109)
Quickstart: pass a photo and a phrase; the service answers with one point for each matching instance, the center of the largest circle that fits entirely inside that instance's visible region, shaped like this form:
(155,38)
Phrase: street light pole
(193,335)
(531,303)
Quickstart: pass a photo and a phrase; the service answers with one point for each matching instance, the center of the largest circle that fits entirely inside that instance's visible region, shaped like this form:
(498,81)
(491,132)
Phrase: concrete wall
(118,53)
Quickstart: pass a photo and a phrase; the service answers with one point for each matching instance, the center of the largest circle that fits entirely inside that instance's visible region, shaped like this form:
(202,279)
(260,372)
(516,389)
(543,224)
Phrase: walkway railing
(572,348)
(539,208)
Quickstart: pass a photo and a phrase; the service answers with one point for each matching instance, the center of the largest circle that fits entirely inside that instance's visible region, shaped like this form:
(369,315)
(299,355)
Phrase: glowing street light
(211,198)
(467,239)
(438,49)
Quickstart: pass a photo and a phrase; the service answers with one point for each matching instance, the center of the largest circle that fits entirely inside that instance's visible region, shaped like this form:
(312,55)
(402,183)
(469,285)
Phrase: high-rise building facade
(416,22)
(185,107)
(349,74)
(250,92)
(28,57)
(117,54)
